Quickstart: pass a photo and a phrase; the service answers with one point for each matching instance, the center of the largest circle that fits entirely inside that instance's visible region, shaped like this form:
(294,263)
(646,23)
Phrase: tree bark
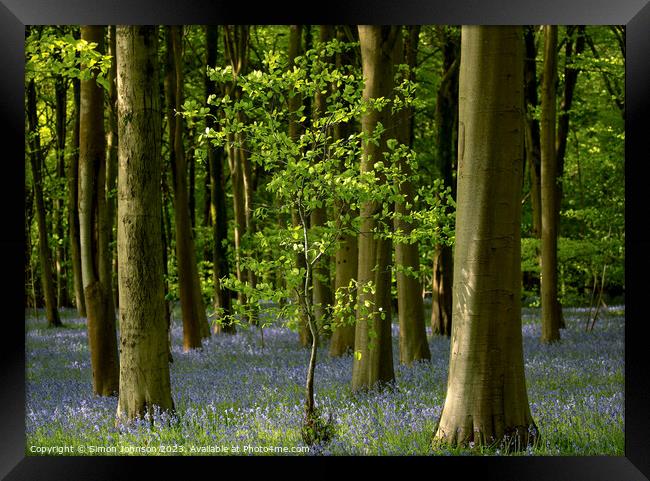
(322,291)
(550,311)
(144,366)
(486,399)
(347,253)
(94,231)
(36,161)
(73,202)
(236,38)
(532,145)
(61,93)
(295,49)
(446,117)
(413,344)
(373,361)
(222,296)
(111,166)
(195,323)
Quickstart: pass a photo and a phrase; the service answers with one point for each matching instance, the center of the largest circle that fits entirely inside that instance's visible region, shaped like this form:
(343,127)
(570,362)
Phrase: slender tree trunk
(29,270)
(373,361)
(111,166)
(191,164)
(36,161)
(413,344)
(550,311)
(61,93)
(73,203)
(347,254)
(486,392)
(295,102)
(222,296)
(236,39)
(195,323)
(533,155)
(446,117)
(144,366)
(94,232)
(322,291)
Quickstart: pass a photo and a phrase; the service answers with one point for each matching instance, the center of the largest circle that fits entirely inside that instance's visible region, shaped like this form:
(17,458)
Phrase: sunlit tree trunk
(222,296)
(413,344)
(94,231)
(446,119)
(347,253)
(550,311)
(111,165)
(486,396)
(236,39)
(45,256)
(73,202)
(322,290)
(195,323)
(144,366)
(373,360)
(295,49)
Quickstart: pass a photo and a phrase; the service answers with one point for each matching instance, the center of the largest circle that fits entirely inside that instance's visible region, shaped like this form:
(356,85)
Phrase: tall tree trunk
(144,366)
(222,296)
(446,117)
(550,311)
(111,165)
(295,102)
(347,253)
(73,203)
(322,290)
(413,344)
(373,361)
(191,165)
(29,269)
(236,38)
(532,144)
(195,323)
(61,93)
(486,393)
(36,161)
(94,231)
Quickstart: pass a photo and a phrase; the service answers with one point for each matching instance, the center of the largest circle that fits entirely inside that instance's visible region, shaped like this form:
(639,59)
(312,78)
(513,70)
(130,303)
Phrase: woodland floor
(238,393)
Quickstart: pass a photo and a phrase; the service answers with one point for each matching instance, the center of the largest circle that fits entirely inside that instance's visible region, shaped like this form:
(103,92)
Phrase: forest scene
(324,240)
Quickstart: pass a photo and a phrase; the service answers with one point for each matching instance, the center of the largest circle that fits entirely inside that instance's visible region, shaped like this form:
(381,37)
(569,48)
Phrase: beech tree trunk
(36,161)
(236,38)
(321,282)
(486,392)
(413,344)
(295,49)
(373,360)
(60,93)
(222,296)
(195,322)
(73,202)
(347,254)
(550,311)
(111,166)
(94,231)
(144,366)
(533,152)
(446,117)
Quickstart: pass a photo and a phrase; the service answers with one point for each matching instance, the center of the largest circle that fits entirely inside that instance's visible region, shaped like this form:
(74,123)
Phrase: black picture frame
(635,14)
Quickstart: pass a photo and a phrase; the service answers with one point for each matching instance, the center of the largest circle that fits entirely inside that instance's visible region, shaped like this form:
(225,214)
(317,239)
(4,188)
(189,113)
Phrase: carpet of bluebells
(246,391)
